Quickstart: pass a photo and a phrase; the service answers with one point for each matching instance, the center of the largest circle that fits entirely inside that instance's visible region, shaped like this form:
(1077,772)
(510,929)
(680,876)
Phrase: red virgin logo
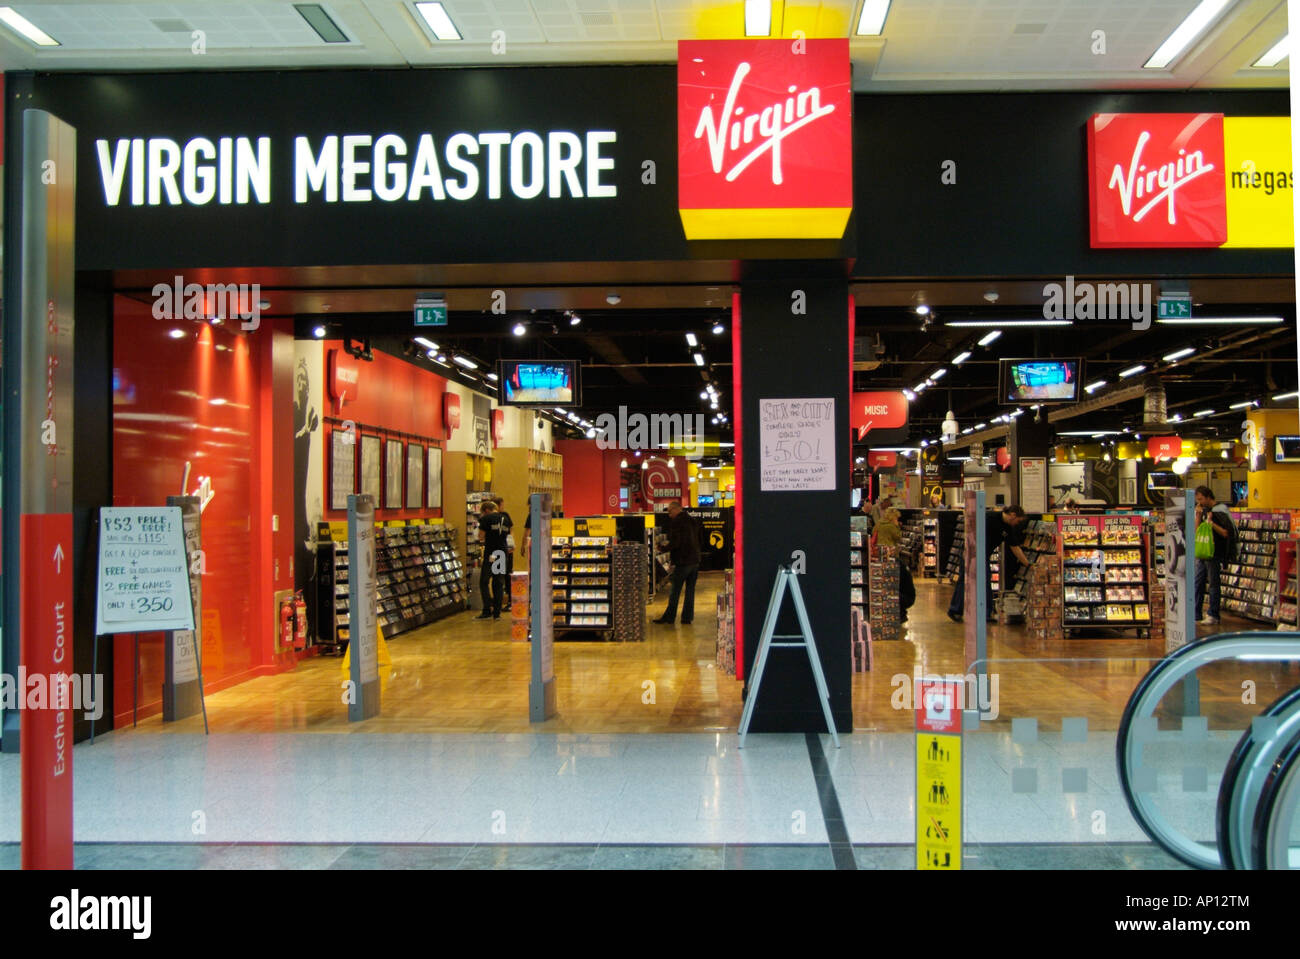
(764,138)
(1156,180)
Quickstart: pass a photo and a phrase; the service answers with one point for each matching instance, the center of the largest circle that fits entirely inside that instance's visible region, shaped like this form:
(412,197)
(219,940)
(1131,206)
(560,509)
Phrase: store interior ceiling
(918,46)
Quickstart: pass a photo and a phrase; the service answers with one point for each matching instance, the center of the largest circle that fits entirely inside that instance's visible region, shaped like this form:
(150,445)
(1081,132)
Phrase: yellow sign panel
(599,526)
(1257,161)
(561,527)
(938,801)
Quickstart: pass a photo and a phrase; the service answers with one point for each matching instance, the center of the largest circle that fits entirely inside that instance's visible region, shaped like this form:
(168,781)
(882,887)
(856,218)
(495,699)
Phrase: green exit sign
(431,314)
(1174,307)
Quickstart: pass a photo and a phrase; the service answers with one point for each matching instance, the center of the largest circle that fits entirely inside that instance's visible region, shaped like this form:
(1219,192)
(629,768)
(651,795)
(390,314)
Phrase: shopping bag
(1205,541)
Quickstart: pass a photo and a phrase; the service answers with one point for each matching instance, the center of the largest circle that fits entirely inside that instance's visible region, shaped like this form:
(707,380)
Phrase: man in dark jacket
(684,551)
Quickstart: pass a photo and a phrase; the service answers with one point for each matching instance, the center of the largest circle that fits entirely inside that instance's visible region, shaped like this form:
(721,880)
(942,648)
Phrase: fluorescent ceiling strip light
(1201,413)
(1132,371)
(1179,354)
(492,377)
(20,24)
(939,373)
(1185,33)
(1285,396)
(990,337)
(439,22)
(691,340)
(699,358)
(978,323)
(920,387)
(758,18)
(1222,320)
(1094,387)
(461,361)
(1176,418)
(909,395)
(427,344)
(1241,406)
(961,358)
(1276,54)
(321,22)
(871,22)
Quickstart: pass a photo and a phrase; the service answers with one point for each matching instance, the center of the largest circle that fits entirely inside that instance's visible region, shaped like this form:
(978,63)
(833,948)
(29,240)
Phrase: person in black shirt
(999,528)
(510,553)
(492,531)
(684,550)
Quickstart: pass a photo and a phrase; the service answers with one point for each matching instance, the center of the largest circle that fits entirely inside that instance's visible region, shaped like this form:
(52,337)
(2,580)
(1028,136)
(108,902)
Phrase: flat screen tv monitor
(1027,381)
(1286,449)
(540,382)
(1239,492)
(1164,479)
(705,500)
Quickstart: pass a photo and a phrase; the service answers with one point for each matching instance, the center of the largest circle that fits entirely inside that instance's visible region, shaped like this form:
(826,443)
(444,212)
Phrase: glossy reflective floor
(404,791)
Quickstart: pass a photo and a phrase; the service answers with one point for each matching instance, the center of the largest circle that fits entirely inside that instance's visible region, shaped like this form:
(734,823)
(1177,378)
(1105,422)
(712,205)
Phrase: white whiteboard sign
(144,582)
(1033,484)
(798,444)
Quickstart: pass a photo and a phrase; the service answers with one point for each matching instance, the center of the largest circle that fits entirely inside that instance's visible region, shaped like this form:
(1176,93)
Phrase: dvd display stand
(582,583)
(1287,615)
(930,546)
(857,569)
(1104,581)
(1249,587)
(420,579)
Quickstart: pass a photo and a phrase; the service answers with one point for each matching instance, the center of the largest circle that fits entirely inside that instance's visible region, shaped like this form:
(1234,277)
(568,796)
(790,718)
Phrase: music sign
(764,138)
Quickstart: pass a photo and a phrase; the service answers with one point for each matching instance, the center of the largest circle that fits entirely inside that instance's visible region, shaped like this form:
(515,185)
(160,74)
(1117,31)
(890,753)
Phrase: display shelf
(1288,617)
(420,578)
(334,616)
(1249,587)
(885,612)
(930,546)
(1039,542)
(957,552)
(1105,573)
(582,582)
(857,567)
(910,540)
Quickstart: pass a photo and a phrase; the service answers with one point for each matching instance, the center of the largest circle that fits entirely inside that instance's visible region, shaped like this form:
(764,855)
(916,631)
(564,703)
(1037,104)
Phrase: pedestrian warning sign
(938,777)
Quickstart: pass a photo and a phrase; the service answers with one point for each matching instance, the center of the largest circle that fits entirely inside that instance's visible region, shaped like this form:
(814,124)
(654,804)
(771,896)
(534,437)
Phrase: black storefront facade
(290,187)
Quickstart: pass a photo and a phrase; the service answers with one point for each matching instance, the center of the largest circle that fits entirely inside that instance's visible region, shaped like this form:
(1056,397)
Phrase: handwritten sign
(798,444)
(144,581)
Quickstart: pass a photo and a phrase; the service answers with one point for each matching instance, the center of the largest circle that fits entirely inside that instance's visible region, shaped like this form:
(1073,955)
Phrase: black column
(789,354)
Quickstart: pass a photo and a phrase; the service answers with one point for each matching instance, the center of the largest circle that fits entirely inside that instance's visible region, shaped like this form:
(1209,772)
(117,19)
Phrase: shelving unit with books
(1250,586)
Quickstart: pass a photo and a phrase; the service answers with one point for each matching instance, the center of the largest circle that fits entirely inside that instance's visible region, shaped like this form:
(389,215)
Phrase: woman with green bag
(1214,534)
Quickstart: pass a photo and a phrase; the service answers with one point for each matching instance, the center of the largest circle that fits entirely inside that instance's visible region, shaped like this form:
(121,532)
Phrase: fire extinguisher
(286,626)
(300,621)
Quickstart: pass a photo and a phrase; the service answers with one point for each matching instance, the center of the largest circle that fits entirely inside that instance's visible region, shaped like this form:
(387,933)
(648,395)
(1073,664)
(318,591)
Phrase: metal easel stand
(786,579)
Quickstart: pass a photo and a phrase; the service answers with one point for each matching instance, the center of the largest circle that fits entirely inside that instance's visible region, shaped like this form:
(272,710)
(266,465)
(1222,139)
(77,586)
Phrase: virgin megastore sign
(1186,180)
(764,139)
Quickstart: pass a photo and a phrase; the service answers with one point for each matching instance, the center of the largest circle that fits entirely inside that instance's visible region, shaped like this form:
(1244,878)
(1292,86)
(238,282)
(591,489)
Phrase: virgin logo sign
(764,131)
(1157,180)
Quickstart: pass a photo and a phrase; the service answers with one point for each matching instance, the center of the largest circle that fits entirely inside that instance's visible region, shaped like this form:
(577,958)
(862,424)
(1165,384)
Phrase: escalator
(1259,794)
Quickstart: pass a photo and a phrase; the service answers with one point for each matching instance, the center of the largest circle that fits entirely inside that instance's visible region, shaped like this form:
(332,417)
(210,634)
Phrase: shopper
(936,500)
(999,528)
(500,503)
(1210,567)
(684,551)
(491,584)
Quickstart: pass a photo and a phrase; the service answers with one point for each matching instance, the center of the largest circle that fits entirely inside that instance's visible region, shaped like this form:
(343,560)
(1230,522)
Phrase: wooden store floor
(465,675)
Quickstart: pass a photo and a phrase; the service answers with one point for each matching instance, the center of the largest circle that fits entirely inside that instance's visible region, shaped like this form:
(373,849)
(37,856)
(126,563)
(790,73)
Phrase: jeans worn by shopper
(1207,575)
(492,587)
(957,606)
(683,575)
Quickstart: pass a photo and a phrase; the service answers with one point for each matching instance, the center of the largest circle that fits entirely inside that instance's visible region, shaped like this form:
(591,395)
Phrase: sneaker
(662,622)
(484,616)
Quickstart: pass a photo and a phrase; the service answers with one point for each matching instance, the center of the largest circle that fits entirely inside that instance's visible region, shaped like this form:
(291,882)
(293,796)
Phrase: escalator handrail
(1239,790)
(1162,677)
(1270,839)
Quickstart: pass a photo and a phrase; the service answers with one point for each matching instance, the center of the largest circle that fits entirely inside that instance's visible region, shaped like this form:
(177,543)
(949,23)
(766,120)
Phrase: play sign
(764,138)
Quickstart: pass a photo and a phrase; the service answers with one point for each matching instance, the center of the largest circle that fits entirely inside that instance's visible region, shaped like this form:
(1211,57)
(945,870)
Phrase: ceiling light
(519,329)
(1179,354)
(691,340)
(319,332)
(427,344)
(980,426)
(961,358)
(1241,406)
(321,22)
(758,18)
(718,328)
(990,337)
(938,374)
(441,358)
(1094,387)
(645,464)
(21,24)
(1285,396)
(969,429)
(1201,413)
(613,299)
(704,394)
(1008,323)
(218,401)
(1222,321)
(1225,454)
(1185,33)
(923,310)
(467,363)
(436,17)
(871,22)
(175,334)
(492,377)
(575,319)
(1106,456)
(920,387)
(636,452)
(1176,418)
(672,463)
(909,395)
(924,443)
(1132,371)
(699,358)
(1276,53)
(623,464)
(1182,465)
(591,434)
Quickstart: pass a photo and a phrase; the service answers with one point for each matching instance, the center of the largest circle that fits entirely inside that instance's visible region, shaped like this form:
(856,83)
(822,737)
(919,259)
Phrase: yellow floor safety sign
(938,776)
